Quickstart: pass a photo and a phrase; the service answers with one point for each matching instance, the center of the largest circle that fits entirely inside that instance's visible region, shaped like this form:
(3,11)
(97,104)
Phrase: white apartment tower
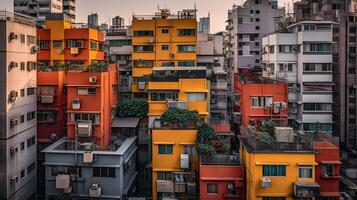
(17,106)
(303,56)
(247,24)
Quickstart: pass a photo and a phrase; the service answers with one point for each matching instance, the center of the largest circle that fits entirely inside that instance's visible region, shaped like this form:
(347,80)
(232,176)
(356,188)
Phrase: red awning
(329,194)
(336,162)
(220,179)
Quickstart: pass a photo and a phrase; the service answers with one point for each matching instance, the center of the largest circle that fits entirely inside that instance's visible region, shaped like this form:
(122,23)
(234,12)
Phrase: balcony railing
(83,68)
(220,159)
(158,124)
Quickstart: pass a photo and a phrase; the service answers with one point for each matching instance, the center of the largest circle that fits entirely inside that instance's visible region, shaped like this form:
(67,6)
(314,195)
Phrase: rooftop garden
(180,118)
(132,108)
(94,67)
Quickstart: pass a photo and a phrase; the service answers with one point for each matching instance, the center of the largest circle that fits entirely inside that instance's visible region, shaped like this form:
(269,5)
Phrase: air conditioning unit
(47,99)
(35,49)
(60,51)
(92,79)
(141,85)
(14,149)
(13,65)
(13,95)
(84,129)
(185,164)
(265,182)
(230,186)
(279,107)
(176,104)
(237,118)
(62,181)
(151,41)
(165,186)
(14,179)
(88,157)
(87,146)
(95,190)
(76,104)
(13,36)
(13,122)
(74,51)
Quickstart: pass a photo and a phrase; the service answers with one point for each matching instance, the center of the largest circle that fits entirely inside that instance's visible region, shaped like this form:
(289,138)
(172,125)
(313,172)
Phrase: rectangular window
(55,170)
(45,116)
(165,47)
(305,171)
(165,31)
(22,146)
(317,107)
(22,38)
(44,44)
(328,169)
(186,63)
(119,43)
(31,141)
(317,48)
(143,48)
(75,43)
(164,96)
(57,44)
(22,66)
(165,148)
(86,91)
(22,174)
(22,119)
(196,96)
(143,33)
(31,168)
(186,32)
(212,188)
(317,67)
(189,149)
(93,45)
(318,88)
(31,91)
(186,48)
(104,172)
(261,101)
(271,49)
(85,117)
(309,27)
(31,39)
(164,176)
(313,127)
(274,170)
(22,92)
(31,116)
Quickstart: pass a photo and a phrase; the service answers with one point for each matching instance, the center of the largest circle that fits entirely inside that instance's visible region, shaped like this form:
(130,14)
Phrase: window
(119,43)
(22,174)
(305,171)
(189,149)
(22,66)
(317,67)
(257,19)
(22,92)
(313,127)
(31,91)
(31,39)
(164,176)
(31,141)
(261,101)
(317,47)
(212,188)
(186,32)
(22,119)
(46,90)
(165,47)
(165,148)
(317,107)
(86,90)
(251,11)
(309,27)
(104,172)
(31,115)
(289,67)
(257,12)
(240,20)
(44,44)
(165,31)
(271,49)
(31,168)
(93,45)
(22,38)
(274,170)
(328,169)
(196,96)
(257,27)
(55,170)
(75,44)
(258,1)
(85,117)
(186,63)
(22,146)
(143,48)
(45,116)
(57,44)
(163,96)
(143,33)
(186,48)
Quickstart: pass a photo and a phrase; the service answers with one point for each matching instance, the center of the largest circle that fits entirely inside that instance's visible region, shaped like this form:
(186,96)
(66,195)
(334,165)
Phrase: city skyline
(217,9)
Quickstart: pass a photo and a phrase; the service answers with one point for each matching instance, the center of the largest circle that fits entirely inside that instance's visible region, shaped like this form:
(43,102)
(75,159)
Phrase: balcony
(220,159)
(235,193)
(306,190)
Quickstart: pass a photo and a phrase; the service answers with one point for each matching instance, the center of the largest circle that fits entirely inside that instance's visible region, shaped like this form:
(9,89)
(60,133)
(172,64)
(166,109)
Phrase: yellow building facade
(164,39)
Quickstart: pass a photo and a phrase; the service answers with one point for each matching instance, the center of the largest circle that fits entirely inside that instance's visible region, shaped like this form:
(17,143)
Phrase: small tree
(205,136)
(132,108)
(268,126)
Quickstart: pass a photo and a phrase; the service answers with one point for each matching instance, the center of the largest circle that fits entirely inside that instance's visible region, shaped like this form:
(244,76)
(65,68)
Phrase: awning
(336,162)
(220,179)
(319,83)
(129,122)
(329,194)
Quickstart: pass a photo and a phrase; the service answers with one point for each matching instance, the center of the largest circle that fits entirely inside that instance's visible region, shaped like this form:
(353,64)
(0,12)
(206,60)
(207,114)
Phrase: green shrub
(180,116)
(132,108)
(205,136)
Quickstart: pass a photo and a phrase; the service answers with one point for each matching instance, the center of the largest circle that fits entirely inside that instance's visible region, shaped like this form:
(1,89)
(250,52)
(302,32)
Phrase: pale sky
(107,9)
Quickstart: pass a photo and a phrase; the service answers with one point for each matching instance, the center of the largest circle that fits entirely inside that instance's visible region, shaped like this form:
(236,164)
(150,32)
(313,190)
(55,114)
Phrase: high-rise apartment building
(163,39)
(247,24)
(303,56)
(117,22)
(40,8)
(17,106)
(204,24)
(93,20)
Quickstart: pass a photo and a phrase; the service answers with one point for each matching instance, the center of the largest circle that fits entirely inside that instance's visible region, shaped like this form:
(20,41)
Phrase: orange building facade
(258,99)
(91,96)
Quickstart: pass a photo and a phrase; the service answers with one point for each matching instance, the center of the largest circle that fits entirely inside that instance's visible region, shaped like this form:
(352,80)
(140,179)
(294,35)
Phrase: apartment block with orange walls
(61,42)
(91,97)
(259,98)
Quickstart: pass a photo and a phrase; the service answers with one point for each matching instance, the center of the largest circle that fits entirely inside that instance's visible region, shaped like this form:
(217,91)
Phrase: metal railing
(220,159)
(83,68)
(16,17)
